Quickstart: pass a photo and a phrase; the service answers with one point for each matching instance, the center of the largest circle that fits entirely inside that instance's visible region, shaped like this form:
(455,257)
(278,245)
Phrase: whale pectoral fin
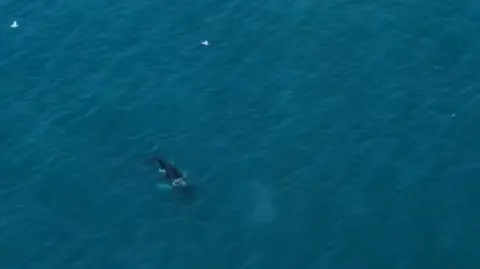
(163,186)
(161,170)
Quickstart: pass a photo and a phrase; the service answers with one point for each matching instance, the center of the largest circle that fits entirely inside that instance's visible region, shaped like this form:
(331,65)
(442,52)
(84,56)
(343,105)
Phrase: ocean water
(320,134)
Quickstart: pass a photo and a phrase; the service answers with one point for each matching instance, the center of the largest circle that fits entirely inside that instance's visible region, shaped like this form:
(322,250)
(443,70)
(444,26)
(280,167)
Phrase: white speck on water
(205,43)
(14,24)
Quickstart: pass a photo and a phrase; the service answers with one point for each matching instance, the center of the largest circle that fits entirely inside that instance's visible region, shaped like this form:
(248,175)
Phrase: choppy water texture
(320,134)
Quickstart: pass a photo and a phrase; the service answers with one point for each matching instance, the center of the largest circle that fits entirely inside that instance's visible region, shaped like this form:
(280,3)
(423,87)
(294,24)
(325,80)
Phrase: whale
(175,177)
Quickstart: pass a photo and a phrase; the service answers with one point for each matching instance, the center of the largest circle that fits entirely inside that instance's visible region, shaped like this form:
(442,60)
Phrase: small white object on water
(205,43)
(14,24)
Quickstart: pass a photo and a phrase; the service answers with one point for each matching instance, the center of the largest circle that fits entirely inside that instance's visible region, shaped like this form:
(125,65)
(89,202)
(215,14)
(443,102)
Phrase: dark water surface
(320,134)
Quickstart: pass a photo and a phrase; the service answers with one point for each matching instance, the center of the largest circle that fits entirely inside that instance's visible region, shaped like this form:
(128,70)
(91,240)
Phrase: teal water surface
(321,134)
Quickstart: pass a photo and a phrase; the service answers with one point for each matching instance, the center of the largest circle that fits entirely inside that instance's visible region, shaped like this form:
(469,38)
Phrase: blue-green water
(321,134)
